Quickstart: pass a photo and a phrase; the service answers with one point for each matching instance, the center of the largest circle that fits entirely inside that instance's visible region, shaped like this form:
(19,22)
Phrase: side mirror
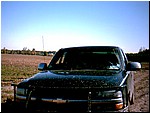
(42,66)
(133,66)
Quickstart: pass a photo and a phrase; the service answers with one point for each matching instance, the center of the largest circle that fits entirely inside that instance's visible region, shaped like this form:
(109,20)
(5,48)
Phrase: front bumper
(71,105)
(89,104)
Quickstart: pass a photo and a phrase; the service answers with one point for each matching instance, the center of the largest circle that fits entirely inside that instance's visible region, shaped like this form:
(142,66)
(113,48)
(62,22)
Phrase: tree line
(26,51)
(141,56)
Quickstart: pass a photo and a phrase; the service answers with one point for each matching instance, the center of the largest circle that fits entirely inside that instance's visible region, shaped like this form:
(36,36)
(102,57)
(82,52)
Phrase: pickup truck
(85,78)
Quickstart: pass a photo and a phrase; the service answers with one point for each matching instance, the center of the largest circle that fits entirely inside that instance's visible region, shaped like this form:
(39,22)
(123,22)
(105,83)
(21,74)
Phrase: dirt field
(15,68)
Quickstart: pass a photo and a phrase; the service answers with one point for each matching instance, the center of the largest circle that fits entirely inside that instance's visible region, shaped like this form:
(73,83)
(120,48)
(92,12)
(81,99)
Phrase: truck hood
(99,79)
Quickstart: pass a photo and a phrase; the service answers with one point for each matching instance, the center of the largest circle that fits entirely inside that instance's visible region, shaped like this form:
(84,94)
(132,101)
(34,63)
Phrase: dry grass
(15,68)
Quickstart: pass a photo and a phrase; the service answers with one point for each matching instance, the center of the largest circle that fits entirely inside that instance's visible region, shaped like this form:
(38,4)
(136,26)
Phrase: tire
(132,99)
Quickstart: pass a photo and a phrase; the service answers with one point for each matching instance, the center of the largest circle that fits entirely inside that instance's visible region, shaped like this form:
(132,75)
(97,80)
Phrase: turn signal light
(119,106)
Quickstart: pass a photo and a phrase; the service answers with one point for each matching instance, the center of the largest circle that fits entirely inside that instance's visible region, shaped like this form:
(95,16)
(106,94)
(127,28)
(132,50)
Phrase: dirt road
(141,92)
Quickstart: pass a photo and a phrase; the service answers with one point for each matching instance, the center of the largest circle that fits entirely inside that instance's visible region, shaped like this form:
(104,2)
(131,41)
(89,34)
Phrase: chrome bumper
(59,100)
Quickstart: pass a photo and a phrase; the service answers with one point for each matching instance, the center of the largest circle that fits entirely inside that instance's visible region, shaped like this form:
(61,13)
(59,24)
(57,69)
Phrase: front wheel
(132,99)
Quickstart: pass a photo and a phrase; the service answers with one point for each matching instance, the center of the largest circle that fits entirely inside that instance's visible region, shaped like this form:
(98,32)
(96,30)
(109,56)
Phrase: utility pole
(43,42)
(43,47)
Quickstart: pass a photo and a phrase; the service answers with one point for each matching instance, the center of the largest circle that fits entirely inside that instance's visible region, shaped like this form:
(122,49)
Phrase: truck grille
(63,93)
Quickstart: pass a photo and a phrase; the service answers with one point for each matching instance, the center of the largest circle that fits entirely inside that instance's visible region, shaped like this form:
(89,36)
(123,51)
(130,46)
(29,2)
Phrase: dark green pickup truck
(88,78)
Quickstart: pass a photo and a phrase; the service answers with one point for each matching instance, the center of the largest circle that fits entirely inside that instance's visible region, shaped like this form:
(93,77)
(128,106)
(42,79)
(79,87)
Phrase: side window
(125,61)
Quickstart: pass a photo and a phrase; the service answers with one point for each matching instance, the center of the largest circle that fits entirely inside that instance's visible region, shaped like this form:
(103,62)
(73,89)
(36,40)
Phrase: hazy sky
(66,24)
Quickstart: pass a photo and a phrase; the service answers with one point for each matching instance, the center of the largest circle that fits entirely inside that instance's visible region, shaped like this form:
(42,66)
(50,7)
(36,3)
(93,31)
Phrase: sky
(52,25)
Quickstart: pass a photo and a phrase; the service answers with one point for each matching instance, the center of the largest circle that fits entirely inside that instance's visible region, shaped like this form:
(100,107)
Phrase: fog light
(119,106)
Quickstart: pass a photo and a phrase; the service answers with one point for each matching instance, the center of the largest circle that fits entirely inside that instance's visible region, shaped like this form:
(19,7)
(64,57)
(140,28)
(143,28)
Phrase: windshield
(72,59)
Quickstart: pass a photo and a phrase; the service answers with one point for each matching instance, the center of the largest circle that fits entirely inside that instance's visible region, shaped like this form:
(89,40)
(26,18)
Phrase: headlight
(110,94)
(21,91)
(114,97)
